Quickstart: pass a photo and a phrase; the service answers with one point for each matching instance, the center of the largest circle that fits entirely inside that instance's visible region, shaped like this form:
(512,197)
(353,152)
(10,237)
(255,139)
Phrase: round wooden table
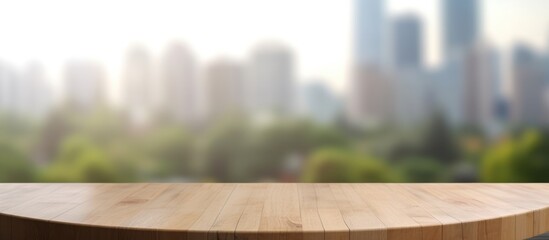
(272,211)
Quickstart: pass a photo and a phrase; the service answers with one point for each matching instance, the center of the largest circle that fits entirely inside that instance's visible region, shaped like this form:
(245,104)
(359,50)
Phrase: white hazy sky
(53,31)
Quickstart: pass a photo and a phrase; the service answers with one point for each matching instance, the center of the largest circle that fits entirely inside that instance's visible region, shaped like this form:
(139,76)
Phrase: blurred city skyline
(104,31)
(247,90)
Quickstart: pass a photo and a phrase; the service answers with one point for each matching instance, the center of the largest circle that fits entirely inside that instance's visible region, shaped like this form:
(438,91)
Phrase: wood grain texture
(209,211)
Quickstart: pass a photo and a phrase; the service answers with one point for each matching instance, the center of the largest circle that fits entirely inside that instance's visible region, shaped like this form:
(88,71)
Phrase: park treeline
(103,146)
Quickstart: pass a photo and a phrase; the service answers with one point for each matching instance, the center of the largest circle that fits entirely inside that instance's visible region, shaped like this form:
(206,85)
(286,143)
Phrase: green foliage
(280,140)
(80,160)
(172,150)
(101,146)
(14,166)
(337,165)
(223,149)
(423,170)
(51,134)
(234,150)
(522,159)
(438,141)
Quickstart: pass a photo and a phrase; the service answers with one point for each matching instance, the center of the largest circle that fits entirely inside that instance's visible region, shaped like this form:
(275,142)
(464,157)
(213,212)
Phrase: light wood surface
(273,211)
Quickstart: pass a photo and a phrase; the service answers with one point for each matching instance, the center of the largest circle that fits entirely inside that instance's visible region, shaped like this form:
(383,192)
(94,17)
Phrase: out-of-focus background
(274,90)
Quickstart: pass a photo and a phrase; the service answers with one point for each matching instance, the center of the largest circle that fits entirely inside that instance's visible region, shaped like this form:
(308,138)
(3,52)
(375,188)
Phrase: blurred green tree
(338,165)
(50,136)
(222,148)
(278,142)
(438,141)
(521,159)
(419,170)
(171,148)
(236,150)
(79,160)
(14,165)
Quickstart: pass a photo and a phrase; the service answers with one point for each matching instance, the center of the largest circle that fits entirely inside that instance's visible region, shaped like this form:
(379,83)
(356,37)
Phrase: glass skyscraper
(406,43)
(460,26)
(369,32)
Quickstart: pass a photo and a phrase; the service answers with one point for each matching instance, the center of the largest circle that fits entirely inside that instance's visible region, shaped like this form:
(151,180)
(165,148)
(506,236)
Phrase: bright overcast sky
(53,31)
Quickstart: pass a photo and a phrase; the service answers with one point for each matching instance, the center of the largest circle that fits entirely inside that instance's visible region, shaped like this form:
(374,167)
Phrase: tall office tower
(408,79)
(318,102)
(528,86)
(225,88)
(369,32)
(460,25)
(85,86)
(372,97)
(447,89)
(406,48)
(481,85)
(137,84)
(271,77)
(460,32)
(8,78)
(370,91)
(33,95)
(179,86)
(410,89)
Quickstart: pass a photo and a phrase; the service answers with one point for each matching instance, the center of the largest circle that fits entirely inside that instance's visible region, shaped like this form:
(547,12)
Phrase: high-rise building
(137,84)
(529,86)
(271,77)
(406,48)
(26,92)
(84,85)
(8,78)
(481,86)
(369,32)
(457,79)
(447,89)
(370,94)
(178,84)
(318,103)
(410,87)
(460,25)
(225,88)
(34,96)
(409,82)
(372,97)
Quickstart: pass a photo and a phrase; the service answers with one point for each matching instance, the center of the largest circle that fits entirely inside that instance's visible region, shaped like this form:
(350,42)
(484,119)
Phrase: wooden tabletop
(273,211)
